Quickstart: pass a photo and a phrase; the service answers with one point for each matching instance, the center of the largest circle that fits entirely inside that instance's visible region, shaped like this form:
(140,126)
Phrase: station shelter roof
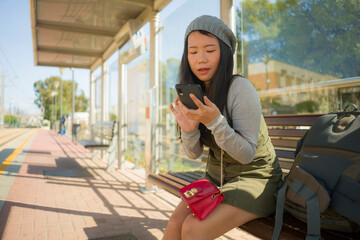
(82,33)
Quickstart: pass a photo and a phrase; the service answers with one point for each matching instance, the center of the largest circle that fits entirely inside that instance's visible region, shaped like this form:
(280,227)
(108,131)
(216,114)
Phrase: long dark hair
(220,84)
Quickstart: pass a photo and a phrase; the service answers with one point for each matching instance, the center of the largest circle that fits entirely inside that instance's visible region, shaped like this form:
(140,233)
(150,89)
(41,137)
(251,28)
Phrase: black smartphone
(184,90)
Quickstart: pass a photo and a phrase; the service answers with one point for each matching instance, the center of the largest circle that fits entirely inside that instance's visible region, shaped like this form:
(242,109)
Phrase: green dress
(251,186)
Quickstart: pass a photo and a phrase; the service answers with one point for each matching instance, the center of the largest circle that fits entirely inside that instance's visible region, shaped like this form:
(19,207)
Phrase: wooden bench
(285,131)
(104,138)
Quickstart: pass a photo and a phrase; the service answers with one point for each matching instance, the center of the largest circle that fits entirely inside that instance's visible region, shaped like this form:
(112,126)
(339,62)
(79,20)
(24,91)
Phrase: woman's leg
(224,218)
(173,229)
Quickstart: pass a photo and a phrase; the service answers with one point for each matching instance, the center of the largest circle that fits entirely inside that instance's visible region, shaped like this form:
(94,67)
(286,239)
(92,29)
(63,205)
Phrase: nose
(202,57)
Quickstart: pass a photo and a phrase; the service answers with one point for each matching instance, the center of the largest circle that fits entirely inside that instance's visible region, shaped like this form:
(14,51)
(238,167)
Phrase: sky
(17,59)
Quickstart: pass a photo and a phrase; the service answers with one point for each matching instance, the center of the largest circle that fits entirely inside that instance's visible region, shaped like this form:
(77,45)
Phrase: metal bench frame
(104,138)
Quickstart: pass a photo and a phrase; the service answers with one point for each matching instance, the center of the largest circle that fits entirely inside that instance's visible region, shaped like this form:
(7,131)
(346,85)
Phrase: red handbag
(202,197)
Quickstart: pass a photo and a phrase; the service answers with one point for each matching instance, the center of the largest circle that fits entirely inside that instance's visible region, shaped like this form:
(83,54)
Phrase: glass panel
(175,18)
(301,55)
(113,89)
(136,85)
(97,79)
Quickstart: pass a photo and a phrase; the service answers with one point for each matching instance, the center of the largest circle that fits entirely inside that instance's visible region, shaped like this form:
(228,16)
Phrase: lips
(203,70)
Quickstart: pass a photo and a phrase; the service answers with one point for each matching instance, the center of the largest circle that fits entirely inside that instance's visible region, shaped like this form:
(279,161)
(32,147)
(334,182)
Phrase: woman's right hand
(185,123)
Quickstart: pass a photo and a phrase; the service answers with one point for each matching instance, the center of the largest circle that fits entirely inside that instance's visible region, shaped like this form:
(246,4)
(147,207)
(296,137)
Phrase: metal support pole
(121,116)
(55,110)
(102,92)
(228,16)
(92,104)
(91,97)
(72,105)
(105,93)
(53,113)
(102,101)
(61,97)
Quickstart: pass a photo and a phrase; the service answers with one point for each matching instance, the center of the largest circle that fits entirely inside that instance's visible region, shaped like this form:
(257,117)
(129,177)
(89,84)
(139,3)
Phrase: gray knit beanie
(214,26)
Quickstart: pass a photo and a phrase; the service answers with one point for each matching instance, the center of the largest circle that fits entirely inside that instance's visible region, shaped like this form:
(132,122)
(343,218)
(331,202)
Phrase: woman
(230,120)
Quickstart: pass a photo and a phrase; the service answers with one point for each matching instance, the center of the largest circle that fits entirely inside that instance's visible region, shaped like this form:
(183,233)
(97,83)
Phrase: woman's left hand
(205,113)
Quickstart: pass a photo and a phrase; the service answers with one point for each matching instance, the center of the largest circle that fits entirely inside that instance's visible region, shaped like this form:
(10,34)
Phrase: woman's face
(203,55)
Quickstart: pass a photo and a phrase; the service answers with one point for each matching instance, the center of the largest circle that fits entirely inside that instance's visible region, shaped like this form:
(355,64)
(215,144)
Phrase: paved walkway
(53,190)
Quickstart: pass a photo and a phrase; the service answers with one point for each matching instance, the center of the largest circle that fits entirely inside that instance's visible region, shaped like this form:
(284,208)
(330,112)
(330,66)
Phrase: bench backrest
(103,130)
(285,131)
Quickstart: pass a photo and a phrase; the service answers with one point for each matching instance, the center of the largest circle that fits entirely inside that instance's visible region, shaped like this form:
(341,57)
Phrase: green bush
(307,107)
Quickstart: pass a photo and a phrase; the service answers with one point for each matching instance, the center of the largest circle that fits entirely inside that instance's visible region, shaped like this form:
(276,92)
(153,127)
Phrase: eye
(210,51)
(192,52)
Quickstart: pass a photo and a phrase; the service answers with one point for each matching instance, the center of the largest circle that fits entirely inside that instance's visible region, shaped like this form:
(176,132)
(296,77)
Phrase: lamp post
(62,69)
(72,104)
(53,94)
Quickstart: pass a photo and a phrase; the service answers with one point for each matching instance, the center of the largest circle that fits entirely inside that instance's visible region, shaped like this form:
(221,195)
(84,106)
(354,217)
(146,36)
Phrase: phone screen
(184,90)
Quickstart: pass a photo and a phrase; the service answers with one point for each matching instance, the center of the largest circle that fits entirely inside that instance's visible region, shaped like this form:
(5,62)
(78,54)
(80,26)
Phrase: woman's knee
(173,228)
(190,229)
(175,221)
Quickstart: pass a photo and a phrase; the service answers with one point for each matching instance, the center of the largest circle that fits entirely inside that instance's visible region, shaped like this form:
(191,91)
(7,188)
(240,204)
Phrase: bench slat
(175,179)
(284,153)
(291,120)
(196,174)
(285,165)
(288,143)
(187,176)
(287,132)
(165,183)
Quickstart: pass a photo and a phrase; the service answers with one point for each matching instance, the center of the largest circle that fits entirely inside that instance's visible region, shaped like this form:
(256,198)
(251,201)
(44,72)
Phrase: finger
(172,109)
(177,100)
(182,106)
(187,112)
(197,102)
(207,101)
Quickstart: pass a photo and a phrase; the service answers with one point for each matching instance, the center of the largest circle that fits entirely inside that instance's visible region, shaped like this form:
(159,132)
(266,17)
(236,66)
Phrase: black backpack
(323,185)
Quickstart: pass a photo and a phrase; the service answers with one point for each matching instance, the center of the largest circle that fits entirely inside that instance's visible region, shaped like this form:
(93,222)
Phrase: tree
(309,106)
(46,91)
(10,119)
(317,35)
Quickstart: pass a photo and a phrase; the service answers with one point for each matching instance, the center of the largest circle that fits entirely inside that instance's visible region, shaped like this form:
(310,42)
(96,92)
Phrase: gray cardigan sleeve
(191,143)
(240,142)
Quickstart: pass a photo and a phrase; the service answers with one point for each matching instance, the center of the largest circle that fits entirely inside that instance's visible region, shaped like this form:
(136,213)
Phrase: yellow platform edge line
(12,156)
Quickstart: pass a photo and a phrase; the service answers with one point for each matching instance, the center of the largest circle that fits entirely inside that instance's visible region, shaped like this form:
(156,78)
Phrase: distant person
(62,124)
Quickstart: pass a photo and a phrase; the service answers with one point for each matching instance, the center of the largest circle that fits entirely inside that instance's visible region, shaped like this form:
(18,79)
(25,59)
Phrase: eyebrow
(208,45)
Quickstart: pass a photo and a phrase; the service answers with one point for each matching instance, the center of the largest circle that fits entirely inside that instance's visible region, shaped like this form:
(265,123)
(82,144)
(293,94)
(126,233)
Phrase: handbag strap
(229,120)
(221,169)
